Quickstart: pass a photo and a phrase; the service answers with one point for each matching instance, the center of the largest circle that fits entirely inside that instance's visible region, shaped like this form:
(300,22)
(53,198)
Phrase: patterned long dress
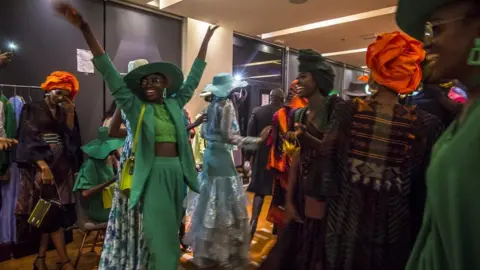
(125,247)
(373,221)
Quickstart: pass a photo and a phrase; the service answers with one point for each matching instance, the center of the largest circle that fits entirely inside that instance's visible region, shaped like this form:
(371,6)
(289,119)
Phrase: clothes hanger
(30,94)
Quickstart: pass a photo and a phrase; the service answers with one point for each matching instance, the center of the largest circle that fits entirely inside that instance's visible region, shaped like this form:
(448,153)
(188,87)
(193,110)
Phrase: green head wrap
(315,64)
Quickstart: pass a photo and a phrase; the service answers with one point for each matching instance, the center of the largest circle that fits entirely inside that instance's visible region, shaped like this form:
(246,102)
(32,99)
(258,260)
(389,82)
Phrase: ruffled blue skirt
(219,231)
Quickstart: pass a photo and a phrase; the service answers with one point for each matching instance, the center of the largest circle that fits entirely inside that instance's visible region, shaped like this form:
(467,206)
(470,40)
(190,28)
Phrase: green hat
(103,145)
(223,84)
(413,14)
(173,74)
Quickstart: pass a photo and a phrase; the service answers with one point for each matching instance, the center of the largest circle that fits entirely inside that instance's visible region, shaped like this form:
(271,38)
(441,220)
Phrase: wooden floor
(261,245)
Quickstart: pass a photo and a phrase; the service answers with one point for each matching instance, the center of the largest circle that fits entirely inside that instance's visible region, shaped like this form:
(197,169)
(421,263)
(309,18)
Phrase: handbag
(46,212)
(128,166)
(107,196)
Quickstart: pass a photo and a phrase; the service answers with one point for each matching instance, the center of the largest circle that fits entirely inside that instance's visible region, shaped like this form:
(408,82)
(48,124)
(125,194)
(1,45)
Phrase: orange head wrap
(295,101)
(62,80)
(363,78)
(395,62)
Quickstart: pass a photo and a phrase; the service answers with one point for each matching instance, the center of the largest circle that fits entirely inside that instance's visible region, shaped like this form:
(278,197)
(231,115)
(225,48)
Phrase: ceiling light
(298,1)
(264,76)
(340,20)
(344,52)
(12,46)
(153,3)
(237,77)
(364,67)
(277,62)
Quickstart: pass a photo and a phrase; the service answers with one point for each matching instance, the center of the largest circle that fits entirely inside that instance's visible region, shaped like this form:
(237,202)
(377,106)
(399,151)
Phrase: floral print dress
(125,247)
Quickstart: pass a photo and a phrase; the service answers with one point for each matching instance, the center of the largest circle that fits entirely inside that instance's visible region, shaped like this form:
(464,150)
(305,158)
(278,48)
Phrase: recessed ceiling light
(265,76)
(298,1)
(340,20)
(344,52)
(276,62)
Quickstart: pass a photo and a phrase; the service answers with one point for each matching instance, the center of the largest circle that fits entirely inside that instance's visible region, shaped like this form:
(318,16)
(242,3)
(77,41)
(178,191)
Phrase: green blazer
(131,105)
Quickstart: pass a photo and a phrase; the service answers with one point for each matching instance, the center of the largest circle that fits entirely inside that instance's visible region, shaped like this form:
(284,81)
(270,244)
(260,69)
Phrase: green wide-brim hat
(103,145)
(173,74)
(412,15)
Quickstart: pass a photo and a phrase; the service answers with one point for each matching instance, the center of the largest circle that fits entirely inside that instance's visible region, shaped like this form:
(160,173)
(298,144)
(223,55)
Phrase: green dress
(94,172)
(450,234)
(158,182)
(10,130)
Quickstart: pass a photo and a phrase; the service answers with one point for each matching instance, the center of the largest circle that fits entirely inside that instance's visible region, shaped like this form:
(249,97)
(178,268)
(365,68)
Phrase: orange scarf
(62,80)
(395,61)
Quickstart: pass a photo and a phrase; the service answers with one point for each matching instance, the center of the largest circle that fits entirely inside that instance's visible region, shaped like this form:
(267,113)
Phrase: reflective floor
(261,245)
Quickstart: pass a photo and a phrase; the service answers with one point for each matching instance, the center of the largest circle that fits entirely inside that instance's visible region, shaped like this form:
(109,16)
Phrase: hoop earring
(164,94)
(474,57)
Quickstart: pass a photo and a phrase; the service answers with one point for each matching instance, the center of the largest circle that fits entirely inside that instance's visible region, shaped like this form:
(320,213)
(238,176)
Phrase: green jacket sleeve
(87,177)
(185,92)
(124,97)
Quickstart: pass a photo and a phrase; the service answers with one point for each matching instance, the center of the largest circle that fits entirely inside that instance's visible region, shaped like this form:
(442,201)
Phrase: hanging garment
(17,103)
(9,190)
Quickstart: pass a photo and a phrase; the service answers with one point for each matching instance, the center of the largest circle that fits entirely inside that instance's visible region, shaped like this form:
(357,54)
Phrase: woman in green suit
(163,160)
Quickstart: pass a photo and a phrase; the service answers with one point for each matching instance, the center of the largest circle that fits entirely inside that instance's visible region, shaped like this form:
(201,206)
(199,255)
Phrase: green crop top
(164,128)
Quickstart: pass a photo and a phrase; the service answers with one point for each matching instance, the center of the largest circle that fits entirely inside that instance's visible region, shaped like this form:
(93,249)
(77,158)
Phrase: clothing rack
(19,86)
(28,87)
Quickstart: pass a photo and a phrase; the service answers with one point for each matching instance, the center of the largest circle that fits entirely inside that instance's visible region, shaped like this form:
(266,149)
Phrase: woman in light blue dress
(219,232)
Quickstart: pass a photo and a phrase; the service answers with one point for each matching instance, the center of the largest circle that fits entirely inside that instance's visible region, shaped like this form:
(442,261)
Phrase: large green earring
(474,58)
(164,94)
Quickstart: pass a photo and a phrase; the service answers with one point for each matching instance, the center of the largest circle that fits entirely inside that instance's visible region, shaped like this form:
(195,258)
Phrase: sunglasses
(432,29)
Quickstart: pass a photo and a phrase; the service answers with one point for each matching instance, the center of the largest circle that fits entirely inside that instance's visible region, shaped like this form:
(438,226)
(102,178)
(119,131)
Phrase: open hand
(299,129)
(211,30)
(265,133)
(69,13)
(5,58)
(6,143)
(202,119)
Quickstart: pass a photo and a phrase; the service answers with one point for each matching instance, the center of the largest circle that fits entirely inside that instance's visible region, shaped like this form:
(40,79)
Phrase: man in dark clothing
(262,179)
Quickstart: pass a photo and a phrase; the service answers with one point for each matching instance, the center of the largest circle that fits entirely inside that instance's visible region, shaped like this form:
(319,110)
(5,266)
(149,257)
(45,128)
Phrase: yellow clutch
(107,196)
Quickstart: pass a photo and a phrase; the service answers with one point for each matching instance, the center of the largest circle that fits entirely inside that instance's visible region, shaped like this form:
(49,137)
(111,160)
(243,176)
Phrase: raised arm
(191,83)
(115,129)
(124,98)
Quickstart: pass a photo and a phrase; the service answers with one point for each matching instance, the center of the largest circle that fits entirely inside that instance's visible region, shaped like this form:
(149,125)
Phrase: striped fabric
(372,222)
(52,138)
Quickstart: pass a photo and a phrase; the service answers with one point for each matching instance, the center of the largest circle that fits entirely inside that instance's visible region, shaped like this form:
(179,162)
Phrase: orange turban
(62,80)
(363,78)
(395,61)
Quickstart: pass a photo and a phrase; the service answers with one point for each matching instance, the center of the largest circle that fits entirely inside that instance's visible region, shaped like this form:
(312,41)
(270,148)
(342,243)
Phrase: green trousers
(162,213)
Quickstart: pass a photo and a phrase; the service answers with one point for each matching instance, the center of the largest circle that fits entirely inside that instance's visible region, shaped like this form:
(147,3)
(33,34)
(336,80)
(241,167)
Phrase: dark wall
(134,34)
(45,44)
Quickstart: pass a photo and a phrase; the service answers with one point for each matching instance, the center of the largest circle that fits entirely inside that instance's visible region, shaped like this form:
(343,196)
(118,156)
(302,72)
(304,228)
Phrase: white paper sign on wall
(265,99)
(84,61)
